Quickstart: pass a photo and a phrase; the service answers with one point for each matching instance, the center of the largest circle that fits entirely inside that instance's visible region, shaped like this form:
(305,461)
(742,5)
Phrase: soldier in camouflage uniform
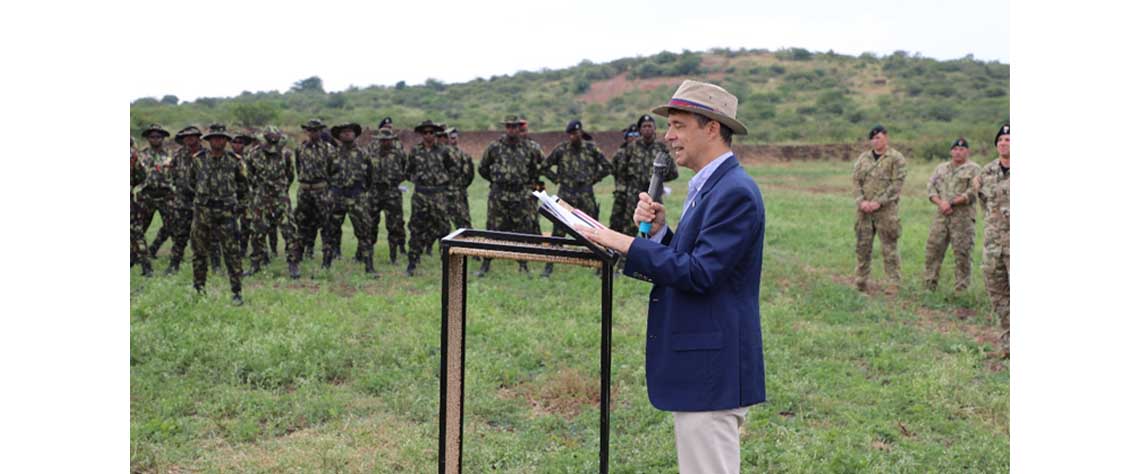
(314,203)
(620,186)
(992,186)
(270,169)
(507,163)
(632,170)
(386,123)
(157,193)
(951,189)
(139,251)
(430,167)
(190,140)
(878,180)
(350,177)
(459,211)
(575,165)
(536,155)
(218,180)
(390,164)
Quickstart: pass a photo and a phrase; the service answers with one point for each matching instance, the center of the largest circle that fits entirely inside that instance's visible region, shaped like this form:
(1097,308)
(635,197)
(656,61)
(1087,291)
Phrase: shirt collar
(705,173)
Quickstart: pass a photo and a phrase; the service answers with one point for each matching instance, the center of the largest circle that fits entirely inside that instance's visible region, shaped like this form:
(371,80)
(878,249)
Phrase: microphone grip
(655,190)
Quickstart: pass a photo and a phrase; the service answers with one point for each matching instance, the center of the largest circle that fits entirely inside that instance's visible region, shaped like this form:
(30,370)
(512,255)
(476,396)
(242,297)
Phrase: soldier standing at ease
(620,186)
(992,186)
(464,173)
(538,156)
(386,123)
(635,170)
(878,181)
(575,165)
(218,180)
(139,252)
(951,189)
(390,164)
(157,193)
(508,165)
(190,140)
(430,168)
(313,200)
(350,177)
(270,169)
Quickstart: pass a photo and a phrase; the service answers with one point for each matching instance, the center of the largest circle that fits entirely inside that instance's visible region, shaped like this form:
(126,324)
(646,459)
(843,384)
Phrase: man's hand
(944,207)
(649,211)
(607,238)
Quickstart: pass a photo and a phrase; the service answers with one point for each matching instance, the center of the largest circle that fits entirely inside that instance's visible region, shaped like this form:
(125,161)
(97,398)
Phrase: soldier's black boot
(236,300)
(215,263)
(172,268)
(392,255)
(483,268)
(200,288)
(547,271)
(326,261)
(411,271)
(359,257)
(294,271)
(368,268)
(523,268)
(153,249)
(308,253)
(146,270)
(254,266)
(403,251)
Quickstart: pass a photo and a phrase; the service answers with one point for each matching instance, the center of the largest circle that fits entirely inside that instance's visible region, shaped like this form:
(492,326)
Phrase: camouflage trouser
(216,224)
(957,231)
(885,223)
(428,222)
(312,211)
(995,268)
(183,218)
(621,219)
(582,200)
(163,204)
(457,209)
(510,211)
(138,240)
(270,211)
(356,208)
(389,205)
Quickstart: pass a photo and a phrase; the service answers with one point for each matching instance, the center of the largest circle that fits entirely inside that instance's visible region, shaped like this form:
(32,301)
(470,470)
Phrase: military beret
(154,127)
(385,121)
(1004,130)
(960,142)
(314,124)
(646,118)
(877,129)
(573,125)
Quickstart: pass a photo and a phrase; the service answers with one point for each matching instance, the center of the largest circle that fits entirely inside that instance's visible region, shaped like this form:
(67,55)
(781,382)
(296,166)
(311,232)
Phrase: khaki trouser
(708,442)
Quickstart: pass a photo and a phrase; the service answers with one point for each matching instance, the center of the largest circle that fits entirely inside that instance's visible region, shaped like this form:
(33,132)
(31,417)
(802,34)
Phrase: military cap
(877,129)
(426,126)
(385,121)
(338,128)
(512,120)
(960,142)
(452,131)
(1004,130)
(185,132)
(646,118)
(442,131)
(217,130)
(245,136)
(574,125)
(271,130)
(154,127)
(386,134)
(314,124)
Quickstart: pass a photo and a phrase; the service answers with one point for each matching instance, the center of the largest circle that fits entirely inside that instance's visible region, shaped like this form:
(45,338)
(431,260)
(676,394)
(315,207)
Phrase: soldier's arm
(290,169)
(970,197)
(485,164)
(602,167)
(242,182)
(932,186)
(550,166)
(857,183)
(468,169)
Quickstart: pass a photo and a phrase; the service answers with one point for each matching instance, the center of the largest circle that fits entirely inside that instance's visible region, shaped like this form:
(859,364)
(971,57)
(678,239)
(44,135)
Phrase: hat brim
(217,134)
(733,124)
(425,128)
(146,133)
(336,130)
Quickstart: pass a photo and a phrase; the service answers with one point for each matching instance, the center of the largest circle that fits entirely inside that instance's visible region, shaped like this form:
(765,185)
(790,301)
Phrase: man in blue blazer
(703,350)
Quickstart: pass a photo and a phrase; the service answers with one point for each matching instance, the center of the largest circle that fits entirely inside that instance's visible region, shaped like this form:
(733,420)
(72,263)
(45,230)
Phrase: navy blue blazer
(703,350)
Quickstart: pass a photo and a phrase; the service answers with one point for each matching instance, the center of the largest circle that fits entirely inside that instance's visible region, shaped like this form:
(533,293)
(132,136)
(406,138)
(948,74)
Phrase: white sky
(269,48)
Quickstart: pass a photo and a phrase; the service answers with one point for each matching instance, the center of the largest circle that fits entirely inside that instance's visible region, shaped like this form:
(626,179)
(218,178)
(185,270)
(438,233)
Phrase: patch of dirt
(562,393)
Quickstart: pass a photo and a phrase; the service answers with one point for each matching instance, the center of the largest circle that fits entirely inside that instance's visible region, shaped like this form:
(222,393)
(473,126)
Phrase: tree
(170,99)
(312,84)
(254,114)
(401,85)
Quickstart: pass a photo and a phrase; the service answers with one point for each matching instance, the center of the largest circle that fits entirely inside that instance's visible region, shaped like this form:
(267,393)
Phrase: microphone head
(661,162)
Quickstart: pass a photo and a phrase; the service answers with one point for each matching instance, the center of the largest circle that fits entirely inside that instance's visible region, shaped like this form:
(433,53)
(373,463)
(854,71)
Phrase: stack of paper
(568,215)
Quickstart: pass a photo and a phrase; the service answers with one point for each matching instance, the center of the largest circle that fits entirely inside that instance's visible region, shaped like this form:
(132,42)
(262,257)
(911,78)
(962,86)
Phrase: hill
(789,96)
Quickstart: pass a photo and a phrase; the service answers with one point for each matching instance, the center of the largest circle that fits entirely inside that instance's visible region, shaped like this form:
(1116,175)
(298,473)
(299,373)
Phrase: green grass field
(338,372)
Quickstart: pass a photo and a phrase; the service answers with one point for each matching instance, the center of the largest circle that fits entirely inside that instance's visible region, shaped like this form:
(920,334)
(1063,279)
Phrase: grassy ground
(338,372)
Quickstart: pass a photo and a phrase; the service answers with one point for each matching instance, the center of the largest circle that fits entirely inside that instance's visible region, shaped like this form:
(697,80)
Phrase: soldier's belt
(508,188)
(313,185)
(431,189)
(152,192)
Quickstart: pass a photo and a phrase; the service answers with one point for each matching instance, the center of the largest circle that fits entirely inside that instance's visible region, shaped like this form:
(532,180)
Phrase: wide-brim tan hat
(705,99)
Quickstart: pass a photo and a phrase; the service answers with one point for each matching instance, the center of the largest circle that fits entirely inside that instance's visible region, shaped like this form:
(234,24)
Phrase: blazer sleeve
(728,231)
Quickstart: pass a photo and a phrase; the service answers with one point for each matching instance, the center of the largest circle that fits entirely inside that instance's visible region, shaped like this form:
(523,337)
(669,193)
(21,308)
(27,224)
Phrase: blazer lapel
(725,166)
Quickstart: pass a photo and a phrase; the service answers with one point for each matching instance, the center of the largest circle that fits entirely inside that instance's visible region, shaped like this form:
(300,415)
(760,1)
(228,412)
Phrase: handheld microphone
(660,166)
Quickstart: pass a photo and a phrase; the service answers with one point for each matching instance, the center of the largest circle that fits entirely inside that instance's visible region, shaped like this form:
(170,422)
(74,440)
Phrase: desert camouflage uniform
(431,170)
(632,169)
(459,211)
(219,185)
(314,203)
(350,177)
(879,180)
(993,190)
(576,169)
(384,198)
(157,193)
(270,169)
(957,230)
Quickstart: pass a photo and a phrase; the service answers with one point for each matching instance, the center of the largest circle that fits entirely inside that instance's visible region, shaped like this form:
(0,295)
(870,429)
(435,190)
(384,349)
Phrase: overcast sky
(216,48)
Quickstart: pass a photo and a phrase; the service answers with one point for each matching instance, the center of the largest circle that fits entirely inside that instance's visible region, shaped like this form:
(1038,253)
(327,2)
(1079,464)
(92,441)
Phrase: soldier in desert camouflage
(951,189)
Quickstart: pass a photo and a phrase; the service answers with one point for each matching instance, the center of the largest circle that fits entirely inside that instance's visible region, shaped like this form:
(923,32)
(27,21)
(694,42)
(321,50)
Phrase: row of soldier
(954,188)
(221,205)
